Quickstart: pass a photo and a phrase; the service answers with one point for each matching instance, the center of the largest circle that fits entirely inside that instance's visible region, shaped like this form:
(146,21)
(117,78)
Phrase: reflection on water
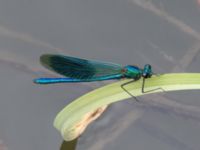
(70,145)
(2,146)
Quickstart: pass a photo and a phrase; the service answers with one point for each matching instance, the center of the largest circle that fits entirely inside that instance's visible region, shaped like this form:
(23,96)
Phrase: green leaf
(75,117)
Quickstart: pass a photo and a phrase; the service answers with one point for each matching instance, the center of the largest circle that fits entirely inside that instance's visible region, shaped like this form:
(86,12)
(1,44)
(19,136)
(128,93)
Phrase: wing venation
(79,68)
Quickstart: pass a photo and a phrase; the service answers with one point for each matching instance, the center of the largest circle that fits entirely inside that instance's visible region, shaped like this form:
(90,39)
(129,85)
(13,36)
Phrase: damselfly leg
(124,84)
(143,86)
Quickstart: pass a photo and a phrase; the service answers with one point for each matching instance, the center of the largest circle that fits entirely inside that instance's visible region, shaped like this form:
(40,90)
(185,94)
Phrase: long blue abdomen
(68,80)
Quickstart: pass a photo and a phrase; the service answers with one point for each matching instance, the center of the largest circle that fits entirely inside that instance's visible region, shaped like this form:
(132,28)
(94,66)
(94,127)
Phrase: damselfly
(82,70)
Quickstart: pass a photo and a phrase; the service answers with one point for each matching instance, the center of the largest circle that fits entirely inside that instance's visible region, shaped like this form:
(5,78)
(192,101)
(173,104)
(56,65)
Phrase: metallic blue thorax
(132,72)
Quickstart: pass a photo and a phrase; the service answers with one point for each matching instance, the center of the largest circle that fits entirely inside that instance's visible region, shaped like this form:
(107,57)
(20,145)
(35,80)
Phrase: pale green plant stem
(73,113)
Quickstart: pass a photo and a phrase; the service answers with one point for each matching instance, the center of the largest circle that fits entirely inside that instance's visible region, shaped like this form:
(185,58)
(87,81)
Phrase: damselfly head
(147,71)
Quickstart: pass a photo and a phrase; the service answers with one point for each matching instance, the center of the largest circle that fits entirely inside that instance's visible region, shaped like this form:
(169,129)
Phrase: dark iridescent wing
(79,68)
